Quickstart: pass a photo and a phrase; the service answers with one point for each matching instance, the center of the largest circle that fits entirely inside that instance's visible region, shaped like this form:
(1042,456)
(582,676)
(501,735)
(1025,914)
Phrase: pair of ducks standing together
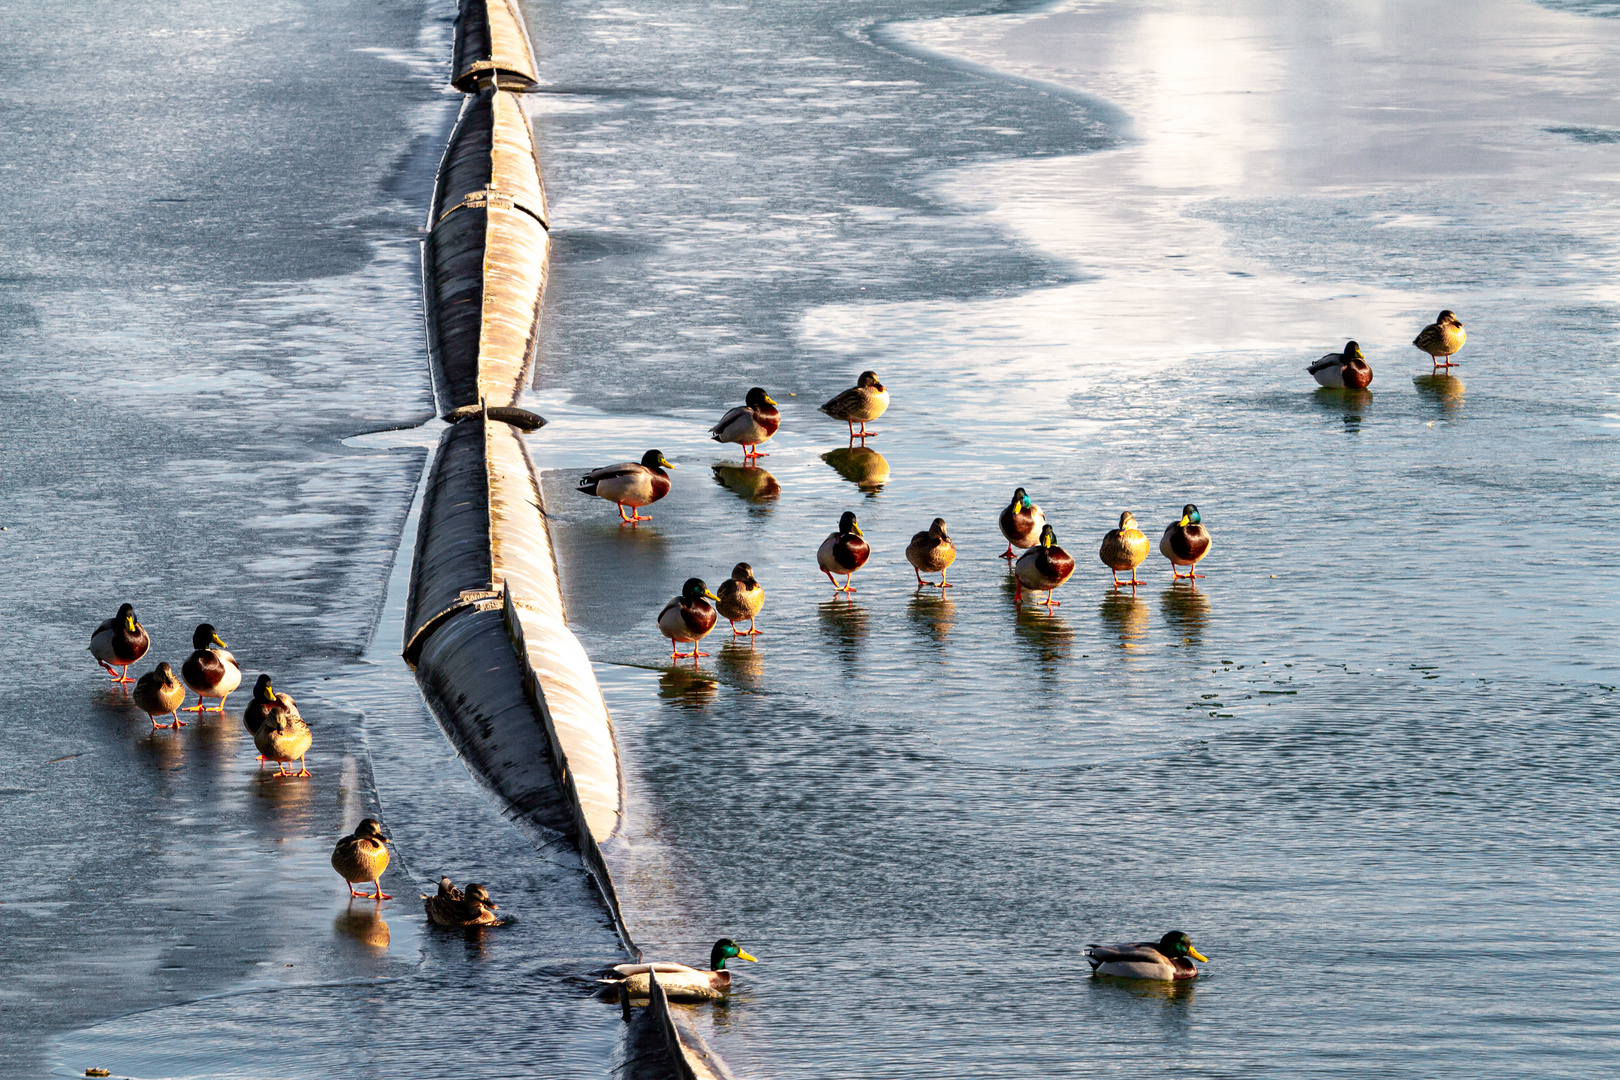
(1349,370)
(210,671)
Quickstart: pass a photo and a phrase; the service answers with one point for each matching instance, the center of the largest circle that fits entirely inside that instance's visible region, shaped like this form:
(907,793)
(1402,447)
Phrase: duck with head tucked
(741,597)
(630,483)
(1346,370)
(749,424)
(680,983)
(363,856)
(1185,542)
(118,642)
(210,670)
(1021,523)
(865,401)
(454,908)
(1442,339)
(843,552)
(1124,548)
(931,552)
(1169,958)
(688,617)
(1044,566)
(159,693)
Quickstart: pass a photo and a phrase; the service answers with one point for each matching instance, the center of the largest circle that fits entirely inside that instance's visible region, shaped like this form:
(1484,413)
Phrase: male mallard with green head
(451,907)
(159,693)
(1021,523)
(843,552)
(283,737)
(864,401)
(210,670)
(118,642)
(681,983)
(1441,339)
(1124,548)
(1346,370)
(688,617)
(1044,566)
(265,705)
(1185,542)
(1169,958)
(740,597)
(363,856)
(749,424)
(931,552)
(630,483)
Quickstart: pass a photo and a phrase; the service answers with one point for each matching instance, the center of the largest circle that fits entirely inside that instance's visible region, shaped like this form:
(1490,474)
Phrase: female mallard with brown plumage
(1185,542)
(931,552)
(1347,370)
(1044,566)
(266,704)
(688,617)
(1021,523)
(740,597)
(680,983)
(210,670)
(1442,339)
(843,552)
(159,693)
(284,737)
(363,856)
(118,642)
(749,424)
(630,483)
(454,908)
(1124,548)
(1170,958)
(865,401)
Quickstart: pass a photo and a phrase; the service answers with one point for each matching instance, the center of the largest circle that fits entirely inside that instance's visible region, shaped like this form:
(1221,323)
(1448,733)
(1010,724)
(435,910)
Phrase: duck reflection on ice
(845,624)
(933,613)
(748,482)
(1047,634)
(741,661)
(364,924)
(687,689)
(1128,615)
(1444,390)
(1352,404)
(860,465)
(1186,610)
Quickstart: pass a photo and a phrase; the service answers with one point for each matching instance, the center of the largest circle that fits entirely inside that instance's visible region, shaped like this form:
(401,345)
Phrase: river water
(1368,764)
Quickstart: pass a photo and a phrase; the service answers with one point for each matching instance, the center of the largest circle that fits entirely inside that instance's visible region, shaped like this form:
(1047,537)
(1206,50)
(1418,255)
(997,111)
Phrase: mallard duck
(1348,369)
(688,617)
(630,484)
(931,552)
(1185,542)
(452,907)
(363,856)
(864,401)
(282,737)
(740,597)
(843,552)
(265,704)
(119,642)
(749,424)
(1124,548)
(210,672)
(1021,523)
(1166,959)
(681,983)
(1044,566)
(1441,338)
(159,693)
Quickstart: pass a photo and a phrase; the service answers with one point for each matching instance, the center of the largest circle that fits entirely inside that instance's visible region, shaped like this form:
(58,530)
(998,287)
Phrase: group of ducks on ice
(281,734)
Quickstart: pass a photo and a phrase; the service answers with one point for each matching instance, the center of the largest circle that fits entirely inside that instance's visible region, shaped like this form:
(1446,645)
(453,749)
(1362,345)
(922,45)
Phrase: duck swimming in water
(1348,369)
(749,424)
(1185,542)
(1044,566)
(363,856)
(451,907)
(931,552)
(1169,958)
(688,617)
(630,483)
(681,983)
(740,597)
(1442,339)
(843,552)
(1124,548)
(865,401)
(159,693)
(1021,523)
(118,642)
(210,671)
